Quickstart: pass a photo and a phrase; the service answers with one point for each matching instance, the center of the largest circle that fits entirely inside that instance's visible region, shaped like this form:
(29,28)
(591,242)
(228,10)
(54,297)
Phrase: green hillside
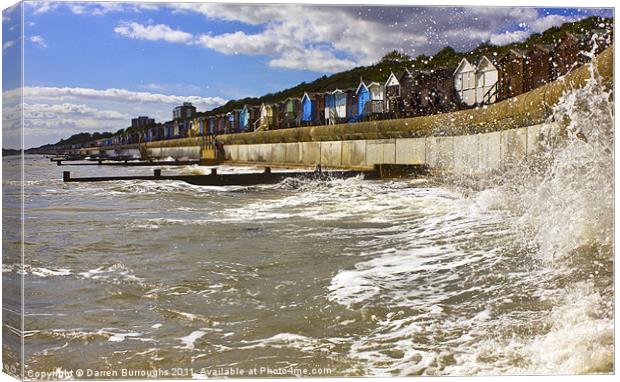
(396,62)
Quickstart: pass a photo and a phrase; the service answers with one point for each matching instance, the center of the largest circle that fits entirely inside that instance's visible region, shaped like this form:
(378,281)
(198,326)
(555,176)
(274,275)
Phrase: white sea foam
(190,339)
(500,246)
(46,272)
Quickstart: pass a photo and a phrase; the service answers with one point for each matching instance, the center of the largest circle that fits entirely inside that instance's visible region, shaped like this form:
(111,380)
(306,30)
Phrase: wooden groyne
(130,163)
(265,177)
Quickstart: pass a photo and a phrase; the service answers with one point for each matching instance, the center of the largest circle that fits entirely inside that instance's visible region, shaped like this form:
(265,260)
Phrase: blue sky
(92,66)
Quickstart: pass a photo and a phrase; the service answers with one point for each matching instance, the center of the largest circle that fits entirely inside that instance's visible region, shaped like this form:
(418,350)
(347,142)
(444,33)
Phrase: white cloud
(301,36)
(317,60)
(544,23)
(508,37)
(52,113)
(104,8)
(39,7)
(7,44)
(90,8)
(152,32)
(78,9)
(180,88)
(290,34)
(38,41)
(115,95)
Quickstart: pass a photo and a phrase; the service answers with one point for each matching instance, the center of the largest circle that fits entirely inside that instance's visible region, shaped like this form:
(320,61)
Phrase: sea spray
(515,278)
(564,205)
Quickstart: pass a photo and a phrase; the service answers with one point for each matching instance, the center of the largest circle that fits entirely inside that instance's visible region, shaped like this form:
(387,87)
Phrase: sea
(505,274)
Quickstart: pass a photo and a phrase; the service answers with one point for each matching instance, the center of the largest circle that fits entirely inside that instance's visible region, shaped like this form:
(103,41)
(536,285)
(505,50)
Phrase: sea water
(509,274)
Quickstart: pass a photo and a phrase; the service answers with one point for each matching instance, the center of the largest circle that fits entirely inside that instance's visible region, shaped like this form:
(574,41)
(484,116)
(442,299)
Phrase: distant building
(185,111)
(369,99)
(539,66)
(392,94)
(290,112)
(512,76)
(140,122)
(433,91)
(568,53)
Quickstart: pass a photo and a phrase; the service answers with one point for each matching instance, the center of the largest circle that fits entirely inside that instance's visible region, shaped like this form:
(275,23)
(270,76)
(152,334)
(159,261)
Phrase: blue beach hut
(244,118)
(363,96)
(308,109)
(212,125)
(330,109)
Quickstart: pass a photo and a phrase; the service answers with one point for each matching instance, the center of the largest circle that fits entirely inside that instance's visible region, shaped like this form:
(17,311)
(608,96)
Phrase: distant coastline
(9,152)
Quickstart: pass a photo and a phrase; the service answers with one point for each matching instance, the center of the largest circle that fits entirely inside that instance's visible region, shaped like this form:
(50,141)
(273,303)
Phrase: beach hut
(204,125)
(308,109)
(329,108)
(486,81)
(362,95)
(150,134)
(194,127)
(266,119)
(244,118)
(290,112)
(430,92)
(221,124)
(442,90)
(476,83)
(377,97)
(254,117)
(392,94)
(465,82)
(567,53)
(319,100)
(539,68)
(344,104)
(369,98)
(231,122)
(211,123)
(511,74)
(409,94)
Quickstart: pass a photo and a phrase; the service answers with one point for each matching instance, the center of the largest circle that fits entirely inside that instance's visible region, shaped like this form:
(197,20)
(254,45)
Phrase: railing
(492,92)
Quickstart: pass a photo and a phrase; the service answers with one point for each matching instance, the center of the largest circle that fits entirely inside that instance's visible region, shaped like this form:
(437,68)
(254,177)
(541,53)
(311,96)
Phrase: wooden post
(157,173)
(58,163)
(267,170)
(66,176)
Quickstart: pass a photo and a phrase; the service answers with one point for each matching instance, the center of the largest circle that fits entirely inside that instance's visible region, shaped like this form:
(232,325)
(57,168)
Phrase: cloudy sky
(94,66)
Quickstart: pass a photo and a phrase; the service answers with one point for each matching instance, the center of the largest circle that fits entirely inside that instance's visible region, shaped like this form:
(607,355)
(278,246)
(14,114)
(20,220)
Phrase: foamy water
(405,277)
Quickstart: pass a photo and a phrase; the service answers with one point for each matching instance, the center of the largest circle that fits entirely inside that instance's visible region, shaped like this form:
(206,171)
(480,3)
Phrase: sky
(94,66)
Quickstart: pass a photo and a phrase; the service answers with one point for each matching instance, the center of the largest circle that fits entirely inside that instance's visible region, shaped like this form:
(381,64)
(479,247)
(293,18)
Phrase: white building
(487,76)
(476,83)
(340,103)
(391,92)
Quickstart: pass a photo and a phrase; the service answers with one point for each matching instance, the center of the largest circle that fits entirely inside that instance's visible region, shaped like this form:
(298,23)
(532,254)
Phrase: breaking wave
(531,256)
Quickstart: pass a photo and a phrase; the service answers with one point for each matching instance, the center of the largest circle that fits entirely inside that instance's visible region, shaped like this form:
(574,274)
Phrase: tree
(395,57)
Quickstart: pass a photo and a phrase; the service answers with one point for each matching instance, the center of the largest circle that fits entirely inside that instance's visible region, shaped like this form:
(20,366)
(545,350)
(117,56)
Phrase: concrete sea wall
(463,154)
